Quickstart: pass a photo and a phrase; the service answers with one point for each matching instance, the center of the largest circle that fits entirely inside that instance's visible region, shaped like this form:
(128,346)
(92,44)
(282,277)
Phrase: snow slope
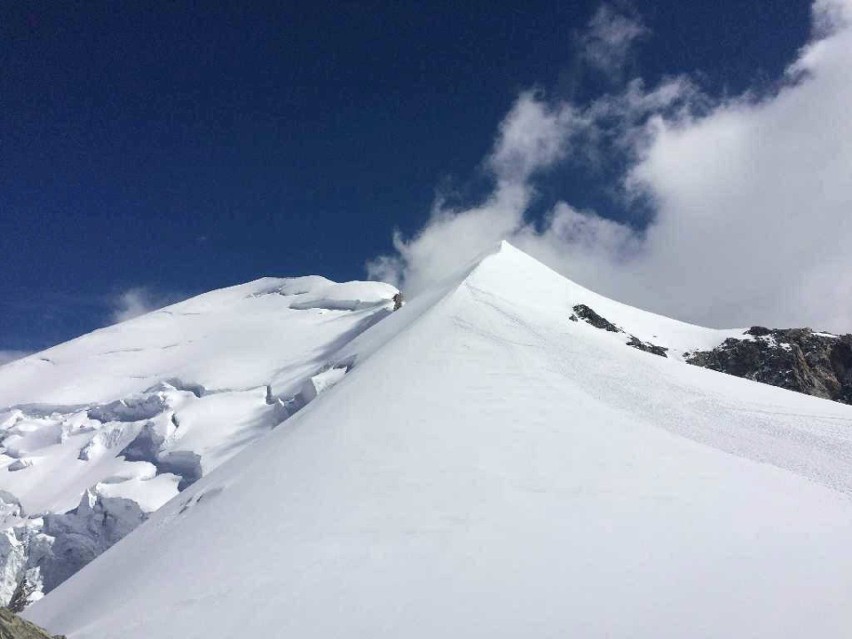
(489,468)
(101,431)
(235,338)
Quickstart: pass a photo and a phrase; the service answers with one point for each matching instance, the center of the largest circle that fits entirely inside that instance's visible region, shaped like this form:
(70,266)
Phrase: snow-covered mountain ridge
(798,359)
(489,467)
(101,431)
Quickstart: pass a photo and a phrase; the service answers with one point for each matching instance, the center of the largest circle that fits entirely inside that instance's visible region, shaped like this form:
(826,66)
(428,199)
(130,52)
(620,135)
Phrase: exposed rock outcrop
(588,315)
(13,627)
(648,347)
(797,359)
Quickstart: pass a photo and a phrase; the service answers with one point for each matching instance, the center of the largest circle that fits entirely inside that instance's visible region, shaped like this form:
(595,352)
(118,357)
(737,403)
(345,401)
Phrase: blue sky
(149,151)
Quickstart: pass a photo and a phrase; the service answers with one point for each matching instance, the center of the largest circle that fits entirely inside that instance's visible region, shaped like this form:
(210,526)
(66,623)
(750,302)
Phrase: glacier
(475,464)
(101,431)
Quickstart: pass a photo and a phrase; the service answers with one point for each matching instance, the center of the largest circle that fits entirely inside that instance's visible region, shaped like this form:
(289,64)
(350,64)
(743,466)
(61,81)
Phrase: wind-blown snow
(490,468)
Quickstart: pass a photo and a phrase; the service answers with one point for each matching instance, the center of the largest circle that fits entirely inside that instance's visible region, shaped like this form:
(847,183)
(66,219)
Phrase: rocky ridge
(583,312)
(798,359)
(13,627)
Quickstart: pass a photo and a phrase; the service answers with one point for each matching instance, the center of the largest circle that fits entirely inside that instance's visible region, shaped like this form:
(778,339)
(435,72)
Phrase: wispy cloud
(608,42)
(751,195)
(137,301)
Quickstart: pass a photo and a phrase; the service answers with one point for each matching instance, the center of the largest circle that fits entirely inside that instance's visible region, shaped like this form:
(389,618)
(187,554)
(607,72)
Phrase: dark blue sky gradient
(185,146)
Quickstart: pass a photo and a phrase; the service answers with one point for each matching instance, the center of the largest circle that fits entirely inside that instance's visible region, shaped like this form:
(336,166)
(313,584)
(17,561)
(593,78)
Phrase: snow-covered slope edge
(492,469)
(101,431)
(798,359)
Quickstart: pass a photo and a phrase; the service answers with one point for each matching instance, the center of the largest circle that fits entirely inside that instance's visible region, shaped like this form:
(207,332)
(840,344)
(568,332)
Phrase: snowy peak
(490,468)
(497,457)
(801,360)
(511,274)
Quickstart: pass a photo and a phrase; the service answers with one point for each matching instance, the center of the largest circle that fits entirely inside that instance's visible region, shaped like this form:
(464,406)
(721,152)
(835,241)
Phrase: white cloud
(531,138)
(754,201)
(752,196)
(137,301)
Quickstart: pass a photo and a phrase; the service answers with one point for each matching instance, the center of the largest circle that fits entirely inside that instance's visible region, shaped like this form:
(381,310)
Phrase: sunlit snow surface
(269,331)
(120,420)
(198,371)
(489,468)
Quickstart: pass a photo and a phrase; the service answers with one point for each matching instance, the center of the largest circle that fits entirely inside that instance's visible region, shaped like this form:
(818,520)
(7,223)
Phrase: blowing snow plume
(758,183)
